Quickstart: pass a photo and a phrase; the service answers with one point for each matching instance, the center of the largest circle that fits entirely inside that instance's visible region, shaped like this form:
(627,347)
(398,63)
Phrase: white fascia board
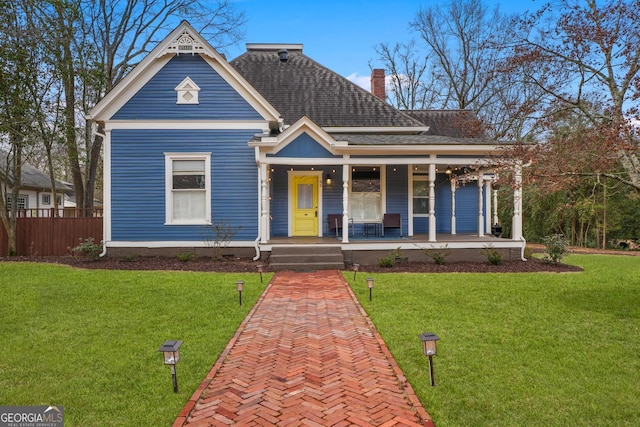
(188,124)
(297,161)
(418,149)
(129,86)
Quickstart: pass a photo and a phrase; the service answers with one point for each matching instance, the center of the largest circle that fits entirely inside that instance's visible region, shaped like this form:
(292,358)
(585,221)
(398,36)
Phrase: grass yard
(541,349)
(516,349)
(88,339)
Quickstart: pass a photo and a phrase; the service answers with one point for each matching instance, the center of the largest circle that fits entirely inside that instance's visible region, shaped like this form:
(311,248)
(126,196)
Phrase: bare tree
(585,55)
(406,68)
(19,66)
(94,44)
(466,43)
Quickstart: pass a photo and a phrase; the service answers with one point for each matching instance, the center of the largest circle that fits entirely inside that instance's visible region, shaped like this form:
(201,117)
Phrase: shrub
(131,257)
(493,256)
(393,257)
(556,247)
(438,255)
(218,236)
(88,248)
(385,262)
(185,257)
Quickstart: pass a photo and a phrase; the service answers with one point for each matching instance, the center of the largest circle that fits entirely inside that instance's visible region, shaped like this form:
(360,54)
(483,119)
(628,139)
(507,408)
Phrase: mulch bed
(241,265)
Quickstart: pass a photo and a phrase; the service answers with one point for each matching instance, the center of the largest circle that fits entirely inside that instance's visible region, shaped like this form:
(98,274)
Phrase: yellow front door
(305,206)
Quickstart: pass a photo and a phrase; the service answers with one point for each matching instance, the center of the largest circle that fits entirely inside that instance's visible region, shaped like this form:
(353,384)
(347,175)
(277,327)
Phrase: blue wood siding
(443,204)
(467,208)
(138,182)
(157,98)
(304,146)
(397,193)
(279,202)
(331,196)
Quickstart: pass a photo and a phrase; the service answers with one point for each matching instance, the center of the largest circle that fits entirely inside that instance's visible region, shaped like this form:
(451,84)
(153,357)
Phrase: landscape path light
(171,352)
(370,286)
(239,287)
(260,270)
(356,267)
(429,349)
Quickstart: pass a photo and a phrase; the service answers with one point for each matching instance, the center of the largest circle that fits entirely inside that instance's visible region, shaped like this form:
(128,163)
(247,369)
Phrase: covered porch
(341,186)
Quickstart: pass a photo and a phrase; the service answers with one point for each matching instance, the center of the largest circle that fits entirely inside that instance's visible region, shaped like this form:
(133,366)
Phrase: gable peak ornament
(185,43)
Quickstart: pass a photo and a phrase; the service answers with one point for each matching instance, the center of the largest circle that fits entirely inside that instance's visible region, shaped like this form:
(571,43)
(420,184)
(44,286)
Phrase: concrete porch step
(306,258)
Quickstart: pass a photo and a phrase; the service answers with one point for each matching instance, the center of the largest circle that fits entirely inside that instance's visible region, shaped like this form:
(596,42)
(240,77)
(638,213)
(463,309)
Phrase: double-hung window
(188,188)
(421,190)
(366,194)
(23,201)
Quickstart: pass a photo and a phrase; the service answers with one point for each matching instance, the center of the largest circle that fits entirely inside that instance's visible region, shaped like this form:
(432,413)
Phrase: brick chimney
(377,84)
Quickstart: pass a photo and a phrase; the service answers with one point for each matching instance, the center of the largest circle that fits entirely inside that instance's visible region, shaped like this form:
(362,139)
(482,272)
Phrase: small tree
(218,237)
(556,247)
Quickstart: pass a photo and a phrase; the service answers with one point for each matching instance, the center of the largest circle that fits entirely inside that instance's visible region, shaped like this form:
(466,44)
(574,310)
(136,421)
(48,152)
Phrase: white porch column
(516,225)
(495,206)
(480,206)
(264,204)
(346,173)
(432,202)
(487,206)
(106,192)
(453,206)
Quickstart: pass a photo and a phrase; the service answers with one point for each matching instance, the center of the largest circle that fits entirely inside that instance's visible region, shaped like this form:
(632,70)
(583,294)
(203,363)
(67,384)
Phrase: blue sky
(341,35)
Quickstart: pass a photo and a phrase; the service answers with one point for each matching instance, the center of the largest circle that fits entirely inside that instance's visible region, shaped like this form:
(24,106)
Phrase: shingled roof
(301,87)
(452,123)
(32,178)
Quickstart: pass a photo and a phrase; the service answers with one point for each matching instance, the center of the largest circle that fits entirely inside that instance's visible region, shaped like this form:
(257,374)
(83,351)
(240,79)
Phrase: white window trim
(383,192)
(168,179)
(418,176)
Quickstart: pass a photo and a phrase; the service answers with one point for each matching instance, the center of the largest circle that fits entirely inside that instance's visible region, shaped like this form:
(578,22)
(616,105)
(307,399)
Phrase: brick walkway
(306,355)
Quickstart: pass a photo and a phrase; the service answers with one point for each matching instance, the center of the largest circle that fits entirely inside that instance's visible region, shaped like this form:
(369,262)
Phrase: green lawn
(88,339)
(515,350)
(541,349)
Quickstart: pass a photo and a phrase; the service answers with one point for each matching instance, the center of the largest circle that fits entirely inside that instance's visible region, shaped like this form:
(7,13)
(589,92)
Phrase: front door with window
(305,206)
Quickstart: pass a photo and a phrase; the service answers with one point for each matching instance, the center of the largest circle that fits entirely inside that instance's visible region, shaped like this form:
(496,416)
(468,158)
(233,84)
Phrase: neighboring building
(36,195)
(271,144)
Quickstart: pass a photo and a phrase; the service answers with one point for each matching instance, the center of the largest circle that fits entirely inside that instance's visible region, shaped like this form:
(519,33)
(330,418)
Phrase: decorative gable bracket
(187,92)
(185,43)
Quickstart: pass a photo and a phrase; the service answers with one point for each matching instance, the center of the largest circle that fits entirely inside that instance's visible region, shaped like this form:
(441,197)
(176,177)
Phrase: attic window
(187,92)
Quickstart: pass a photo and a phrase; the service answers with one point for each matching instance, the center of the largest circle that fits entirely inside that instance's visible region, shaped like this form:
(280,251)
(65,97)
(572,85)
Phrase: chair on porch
(393,220)
(334,222)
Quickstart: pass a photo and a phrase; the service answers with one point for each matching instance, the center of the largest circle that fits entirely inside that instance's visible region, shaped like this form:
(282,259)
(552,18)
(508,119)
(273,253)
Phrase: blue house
(278,151)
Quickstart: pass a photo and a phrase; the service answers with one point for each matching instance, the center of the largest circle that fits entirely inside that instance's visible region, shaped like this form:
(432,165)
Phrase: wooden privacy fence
(45,232)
